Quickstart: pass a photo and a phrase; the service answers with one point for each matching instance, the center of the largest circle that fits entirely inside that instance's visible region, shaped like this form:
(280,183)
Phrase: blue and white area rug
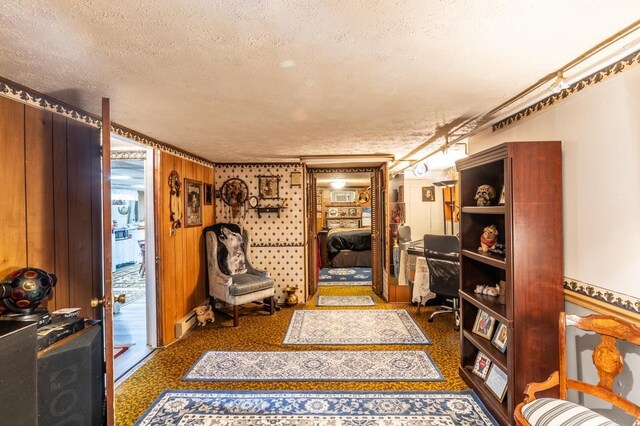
(354,327)
(324,366)
(345,276)
(345,301)
(216,408)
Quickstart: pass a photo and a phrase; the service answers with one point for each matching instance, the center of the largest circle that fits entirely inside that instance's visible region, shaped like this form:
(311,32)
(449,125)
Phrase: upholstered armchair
(231,277)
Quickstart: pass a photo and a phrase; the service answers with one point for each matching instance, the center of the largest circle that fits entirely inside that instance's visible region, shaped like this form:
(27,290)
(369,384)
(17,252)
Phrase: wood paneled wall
(181,269)
(51,190)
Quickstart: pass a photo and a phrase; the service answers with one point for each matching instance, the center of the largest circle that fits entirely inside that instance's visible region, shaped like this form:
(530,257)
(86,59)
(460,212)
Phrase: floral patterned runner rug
(306,408)
(345,276)
(345,301)
(354,327)
(326,366)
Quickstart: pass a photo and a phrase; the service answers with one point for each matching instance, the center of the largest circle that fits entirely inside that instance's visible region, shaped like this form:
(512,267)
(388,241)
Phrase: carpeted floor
(345,276)
(166,369)
(128,281)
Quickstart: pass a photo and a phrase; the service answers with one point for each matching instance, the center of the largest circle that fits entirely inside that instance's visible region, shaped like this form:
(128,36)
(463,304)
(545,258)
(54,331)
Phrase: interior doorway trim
(377,227)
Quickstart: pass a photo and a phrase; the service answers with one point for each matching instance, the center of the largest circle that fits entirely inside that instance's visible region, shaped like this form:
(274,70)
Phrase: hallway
(165,369)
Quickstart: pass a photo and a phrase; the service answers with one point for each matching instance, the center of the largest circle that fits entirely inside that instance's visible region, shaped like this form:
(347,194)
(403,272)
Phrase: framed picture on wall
(268,187)
(192,203)
(428,193)
(296,179)
(208,194)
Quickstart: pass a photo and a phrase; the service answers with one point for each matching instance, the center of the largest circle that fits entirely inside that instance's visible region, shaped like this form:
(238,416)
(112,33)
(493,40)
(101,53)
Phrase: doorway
(132,241)
(343,228)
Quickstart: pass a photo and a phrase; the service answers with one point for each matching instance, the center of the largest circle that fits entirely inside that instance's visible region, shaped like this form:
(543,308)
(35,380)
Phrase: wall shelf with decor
(265,210)
(499,335)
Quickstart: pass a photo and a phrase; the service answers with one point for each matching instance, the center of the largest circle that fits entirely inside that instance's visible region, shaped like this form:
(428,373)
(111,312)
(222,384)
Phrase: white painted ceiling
(244,80)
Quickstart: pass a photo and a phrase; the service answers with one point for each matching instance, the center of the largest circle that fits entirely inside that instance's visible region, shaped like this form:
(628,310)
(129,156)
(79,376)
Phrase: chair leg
(236,315)
(444,309)
(272,305)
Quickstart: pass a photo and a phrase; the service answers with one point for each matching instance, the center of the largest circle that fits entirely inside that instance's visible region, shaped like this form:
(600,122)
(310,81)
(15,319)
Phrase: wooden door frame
(378,184)
(106,265)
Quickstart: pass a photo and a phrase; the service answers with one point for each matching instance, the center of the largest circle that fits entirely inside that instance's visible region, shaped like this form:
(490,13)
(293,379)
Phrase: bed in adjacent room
(349,247)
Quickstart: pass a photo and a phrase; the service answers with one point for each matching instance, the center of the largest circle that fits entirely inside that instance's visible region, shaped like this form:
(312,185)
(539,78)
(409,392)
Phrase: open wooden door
(107,298)
(312,240)
(378,219)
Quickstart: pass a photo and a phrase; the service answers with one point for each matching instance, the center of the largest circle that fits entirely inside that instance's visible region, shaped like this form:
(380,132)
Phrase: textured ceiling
(244,80)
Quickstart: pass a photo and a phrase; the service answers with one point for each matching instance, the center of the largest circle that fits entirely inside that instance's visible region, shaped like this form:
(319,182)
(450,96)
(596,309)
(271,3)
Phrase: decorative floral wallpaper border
(619,300)
(35,99)
(594,78)
(129,155)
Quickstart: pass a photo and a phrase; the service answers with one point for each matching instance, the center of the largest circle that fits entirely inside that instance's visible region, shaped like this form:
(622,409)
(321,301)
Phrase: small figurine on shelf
(488,239)
(487,289)
(499,250)
(485,194)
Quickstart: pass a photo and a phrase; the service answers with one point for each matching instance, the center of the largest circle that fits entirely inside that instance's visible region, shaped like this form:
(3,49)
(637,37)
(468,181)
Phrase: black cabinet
(18,404)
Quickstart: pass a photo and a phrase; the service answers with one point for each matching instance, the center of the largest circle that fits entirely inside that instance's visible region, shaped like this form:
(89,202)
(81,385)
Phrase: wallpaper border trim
(250,165)
(30,97)
(23,94)
(342,169)
(602,300)
(128,155)
(270,245)
(597,77)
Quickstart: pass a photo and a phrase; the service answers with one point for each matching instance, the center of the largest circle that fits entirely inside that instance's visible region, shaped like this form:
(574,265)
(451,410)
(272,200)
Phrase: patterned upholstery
(231,277)
(557,412)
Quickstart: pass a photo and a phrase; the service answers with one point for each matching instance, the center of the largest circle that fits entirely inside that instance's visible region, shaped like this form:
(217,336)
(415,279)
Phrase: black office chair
(442,253)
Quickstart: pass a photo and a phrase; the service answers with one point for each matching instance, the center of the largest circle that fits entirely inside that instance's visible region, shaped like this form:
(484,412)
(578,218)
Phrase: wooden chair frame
(606,358)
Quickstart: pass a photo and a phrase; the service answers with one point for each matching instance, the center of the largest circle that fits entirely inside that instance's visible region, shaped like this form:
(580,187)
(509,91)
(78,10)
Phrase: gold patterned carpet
(259,331)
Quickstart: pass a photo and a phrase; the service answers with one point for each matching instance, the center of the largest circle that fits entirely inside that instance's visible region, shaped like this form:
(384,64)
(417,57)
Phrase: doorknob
(95,302)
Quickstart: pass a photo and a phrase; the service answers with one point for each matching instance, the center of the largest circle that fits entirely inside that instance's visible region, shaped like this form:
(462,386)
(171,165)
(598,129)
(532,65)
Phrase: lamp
(452,204)
(338,184)
(559,84)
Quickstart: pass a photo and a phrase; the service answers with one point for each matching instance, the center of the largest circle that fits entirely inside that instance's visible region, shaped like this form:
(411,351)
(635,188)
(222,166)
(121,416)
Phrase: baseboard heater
(187,322)
(184,324)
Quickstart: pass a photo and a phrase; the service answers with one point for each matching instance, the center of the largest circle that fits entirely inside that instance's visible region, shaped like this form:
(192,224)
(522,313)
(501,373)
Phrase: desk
(413,264)
(125,252)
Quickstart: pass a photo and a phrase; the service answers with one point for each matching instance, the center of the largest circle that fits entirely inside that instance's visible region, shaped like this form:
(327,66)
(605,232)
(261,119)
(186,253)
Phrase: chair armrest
(223,279)
(531,389)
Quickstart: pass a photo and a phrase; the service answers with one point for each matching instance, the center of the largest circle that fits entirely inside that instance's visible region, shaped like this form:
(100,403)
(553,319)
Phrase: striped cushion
(557,412)
(248,283)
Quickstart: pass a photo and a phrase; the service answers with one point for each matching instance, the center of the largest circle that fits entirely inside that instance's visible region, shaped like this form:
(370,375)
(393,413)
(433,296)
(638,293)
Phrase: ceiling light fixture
(338,184)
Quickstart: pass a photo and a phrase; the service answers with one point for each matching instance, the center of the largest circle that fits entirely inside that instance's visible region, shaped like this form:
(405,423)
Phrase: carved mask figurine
(484,195)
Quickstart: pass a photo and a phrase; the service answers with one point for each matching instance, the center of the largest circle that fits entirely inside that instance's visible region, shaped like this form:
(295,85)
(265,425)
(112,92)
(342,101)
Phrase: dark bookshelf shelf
(484,210)
(488,304)
(498,409)
(489,259)
(530,275)
(485,346)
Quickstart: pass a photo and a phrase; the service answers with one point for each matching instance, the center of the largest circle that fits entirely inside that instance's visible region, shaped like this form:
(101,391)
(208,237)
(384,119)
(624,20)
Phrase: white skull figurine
(484,195)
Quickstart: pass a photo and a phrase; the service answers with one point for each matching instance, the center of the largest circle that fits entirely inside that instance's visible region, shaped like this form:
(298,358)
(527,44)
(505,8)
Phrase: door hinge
(101,151)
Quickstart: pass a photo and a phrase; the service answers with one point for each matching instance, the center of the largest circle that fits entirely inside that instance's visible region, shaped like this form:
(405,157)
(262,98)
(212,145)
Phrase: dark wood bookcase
(530,225)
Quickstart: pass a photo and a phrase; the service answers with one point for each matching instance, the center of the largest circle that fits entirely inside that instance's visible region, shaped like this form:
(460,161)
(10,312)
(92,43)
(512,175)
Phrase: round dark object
(29,287)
